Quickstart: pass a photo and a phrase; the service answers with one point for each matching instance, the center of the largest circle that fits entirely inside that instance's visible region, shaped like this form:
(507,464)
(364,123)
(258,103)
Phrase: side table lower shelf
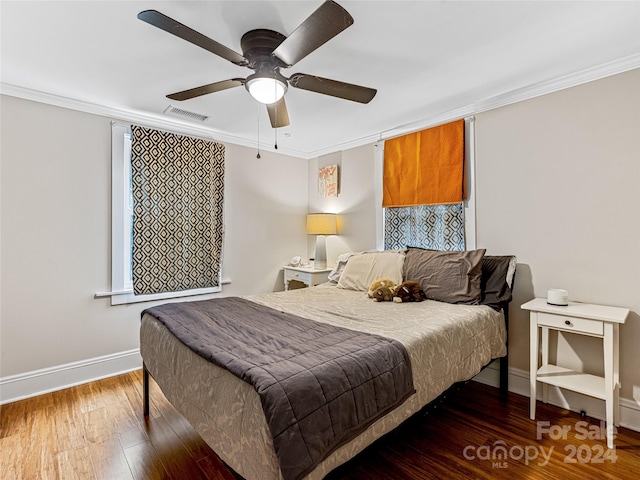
(580,382)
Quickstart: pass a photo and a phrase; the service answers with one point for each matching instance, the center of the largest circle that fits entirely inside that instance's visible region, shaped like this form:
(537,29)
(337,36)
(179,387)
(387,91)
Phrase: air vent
(178,112)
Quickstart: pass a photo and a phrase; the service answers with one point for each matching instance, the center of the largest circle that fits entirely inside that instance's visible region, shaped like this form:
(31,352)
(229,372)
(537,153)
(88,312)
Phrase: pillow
(496,281)
(341,262)
(364,269)
(343,258)
(452,277)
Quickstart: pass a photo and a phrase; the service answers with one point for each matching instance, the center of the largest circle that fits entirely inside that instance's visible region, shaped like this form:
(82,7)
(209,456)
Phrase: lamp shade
(321,224)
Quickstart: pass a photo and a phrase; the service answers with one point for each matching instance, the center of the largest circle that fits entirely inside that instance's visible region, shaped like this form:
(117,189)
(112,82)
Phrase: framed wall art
(329,181)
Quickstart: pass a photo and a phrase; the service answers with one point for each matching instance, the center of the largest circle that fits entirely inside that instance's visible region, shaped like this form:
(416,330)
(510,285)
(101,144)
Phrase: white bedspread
(447,343)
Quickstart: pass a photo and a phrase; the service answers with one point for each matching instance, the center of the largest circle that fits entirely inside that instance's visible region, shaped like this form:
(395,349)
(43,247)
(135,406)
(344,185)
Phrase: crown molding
(528,92)
(138,117)
(430,119)
(560,83)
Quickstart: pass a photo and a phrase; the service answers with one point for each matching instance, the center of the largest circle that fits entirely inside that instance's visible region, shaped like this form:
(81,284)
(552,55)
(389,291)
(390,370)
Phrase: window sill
(126,296)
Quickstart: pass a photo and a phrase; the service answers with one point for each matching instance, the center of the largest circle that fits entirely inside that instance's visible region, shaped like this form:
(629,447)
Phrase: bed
(448,338)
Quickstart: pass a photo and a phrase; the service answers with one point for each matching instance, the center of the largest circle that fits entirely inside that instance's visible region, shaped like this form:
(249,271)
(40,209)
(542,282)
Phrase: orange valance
(425,168)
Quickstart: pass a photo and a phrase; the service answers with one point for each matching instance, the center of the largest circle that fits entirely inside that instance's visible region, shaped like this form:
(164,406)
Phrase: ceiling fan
(266,52)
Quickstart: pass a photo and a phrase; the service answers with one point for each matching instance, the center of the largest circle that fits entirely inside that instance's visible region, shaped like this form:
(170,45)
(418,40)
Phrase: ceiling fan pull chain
(258,155)
(275,88)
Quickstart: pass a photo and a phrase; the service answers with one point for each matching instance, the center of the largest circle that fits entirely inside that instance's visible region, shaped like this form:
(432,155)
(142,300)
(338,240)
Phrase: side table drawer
(571,324)
(293,275)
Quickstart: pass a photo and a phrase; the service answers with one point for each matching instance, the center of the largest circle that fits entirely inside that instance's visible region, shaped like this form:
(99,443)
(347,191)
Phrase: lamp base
(320,260)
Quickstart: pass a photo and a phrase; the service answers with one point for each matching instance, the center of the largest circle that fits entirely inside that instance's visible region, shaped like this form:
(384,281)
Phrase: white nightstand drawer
(291,275)
(309,276)
(571,324)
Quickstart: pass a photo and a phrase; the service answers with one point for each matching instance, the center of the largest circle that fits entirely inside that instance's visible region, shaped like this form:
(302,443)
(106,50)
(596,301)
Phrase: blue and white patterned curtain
(436,227)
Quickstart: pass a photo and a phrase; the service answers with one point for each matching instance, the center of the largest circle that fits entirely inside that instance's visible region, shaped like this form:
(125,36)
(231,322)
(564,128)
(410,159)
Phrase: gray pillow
(452,277)
(497,280)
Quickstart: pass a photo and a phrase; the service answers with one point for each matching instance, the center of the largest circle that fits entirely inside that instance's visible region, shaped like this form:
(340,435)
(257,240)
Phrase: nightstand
(307,275)
(582,319)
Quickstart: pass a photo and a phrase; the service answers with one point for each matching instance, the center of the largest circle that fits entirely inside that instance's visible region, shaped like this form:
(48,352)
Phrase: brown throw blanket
(320,385)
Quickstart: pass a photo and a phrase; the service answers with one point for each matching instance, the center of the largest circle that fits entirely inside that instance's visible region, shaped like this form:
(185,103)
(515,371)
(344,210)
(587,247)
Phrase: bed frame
(504,370)
(501,302)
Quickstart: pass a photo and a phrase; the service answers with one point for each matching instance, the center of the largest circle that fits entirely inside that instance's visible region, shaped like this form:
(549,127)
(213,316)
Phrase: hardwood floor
(97,431)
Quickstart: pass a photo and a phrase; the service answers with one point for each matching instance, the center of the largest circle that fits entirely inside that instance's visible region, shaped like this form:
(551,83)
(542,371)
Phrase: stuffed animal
(381,282)
(383,294)
(408,292)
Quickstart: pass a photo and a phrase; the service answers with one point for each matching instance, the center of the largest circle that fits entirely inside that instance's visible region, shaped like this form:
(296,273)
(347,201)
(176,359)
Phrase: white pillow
(341,262)
(364,269)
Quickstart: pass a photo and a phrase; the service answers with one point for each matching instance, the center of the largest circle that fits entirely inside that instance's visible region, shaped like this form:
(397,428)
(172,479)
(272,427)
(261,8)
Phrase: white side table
(307,275)
(583,319)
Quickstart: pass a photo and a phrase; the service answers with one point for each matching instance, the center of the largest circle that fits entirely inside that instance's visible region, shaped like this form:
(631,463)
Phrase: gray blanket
(320,385)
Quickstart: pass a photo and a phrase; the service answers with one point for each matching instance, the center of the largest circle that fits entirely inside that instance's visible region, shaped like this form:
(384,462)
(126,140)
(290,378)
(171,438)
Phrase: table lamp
(321,224)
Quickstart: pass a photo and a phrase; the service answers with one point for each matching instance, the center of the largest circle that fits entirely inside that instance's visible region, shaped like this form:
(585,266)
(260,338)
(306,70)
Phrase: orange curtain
(425,168)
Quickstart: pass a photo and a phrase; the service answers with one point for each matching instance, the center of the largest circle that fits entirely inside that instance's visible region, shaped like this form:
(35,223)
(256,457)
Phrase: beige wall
(557,185)
(55,234)
(356,204)
(575,152)
(265,208)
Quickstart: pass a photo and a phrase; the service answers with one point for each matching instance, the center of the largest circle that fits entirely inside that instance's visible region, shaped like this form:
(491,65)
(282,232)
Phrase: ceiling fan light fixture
(266,88)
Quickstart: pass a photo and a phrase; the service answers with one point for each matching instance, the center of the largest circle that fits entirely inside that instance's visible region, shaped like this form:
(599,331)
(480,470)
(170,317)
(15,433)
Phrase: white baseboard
(38,382)
(576,402)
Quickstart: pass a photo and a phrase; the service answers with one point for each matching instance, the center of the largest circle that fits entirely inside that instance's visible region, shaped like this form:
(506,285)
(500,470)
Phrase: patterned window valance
(425,168)
(178,187)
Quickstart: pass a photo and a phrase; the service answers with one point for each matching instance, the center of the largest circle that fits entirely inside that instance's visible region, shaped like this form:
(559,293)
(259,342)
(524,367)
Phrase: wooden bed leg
(145,390)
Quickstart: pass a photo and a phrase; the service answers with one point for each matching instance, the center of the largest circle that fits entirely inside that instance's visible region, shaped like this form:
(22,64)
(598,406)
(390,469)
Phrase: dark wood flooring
(97,431)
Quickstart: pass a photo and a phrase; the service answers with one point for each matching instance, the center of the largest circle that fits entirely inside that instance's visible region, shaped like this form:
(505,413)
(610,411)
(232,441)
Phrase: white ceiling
(431,61)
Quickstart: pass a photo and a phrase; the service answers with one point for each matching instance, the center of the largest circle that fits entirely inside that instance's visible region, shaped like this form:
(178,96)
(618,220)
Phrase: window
(176,271)
(441,227)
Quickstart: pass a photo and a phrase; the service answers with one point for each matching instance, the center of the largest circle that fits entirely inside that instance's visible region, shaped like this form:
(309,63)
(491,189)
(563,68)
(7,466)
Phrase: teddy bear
(381,282)
(408,291)
(383,294)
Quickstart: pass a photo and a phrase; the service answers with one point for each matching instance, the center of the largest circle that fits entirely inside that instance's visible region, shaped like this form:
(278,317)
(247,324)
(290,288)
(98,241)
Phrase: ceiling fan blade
(278,114)
(205,89)
(348,91)
(321,26)
(157,19)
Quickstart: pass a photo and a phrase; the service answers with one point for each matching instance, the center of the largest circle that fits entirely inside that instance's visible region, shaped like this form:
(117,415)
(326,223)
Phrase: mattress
(446,343)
